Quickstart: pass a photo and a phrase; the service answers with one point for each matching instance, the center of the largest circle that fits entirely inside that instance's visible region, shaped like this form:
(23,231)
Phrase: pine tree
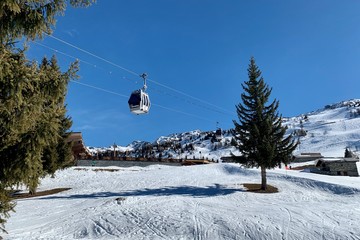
(33,121)
(5,206)
(18,113)
(259,131)
(31,19)
(32,118)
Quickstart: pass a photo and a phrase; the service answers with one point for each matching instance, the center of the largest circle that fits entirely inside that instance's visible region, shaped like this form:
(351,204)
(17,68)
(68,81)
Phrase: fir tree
(259,132)
(31,19)
(33,121)
(32,118)
(57,154)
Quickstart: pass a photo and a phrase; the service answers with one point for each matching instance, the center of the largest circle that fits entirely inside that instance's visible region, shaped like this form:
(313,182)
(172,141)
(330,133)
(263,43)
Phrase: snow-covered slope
(198,202)
(328,131)
(203,202)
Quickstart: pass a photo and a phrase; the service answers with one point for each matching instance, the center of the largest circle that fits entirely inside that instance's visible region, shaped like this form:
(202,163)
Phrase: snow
(207,201)
(95,150)
(197,202)
(329,130)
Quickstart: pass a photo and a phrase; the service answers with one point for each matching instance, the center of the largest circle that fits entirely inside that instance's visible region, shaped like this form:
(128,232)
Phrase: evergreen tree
(33,121)
(33,124)
(259,130)
(233,142)
(31,19)
(56,154)
(350,154)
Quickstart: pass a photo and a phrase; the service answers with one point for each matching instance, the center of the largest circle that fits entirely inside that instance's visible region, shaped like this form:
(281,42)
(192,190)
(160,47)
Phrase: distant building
(78,147)
(337,166)
(227,159)
(306,157)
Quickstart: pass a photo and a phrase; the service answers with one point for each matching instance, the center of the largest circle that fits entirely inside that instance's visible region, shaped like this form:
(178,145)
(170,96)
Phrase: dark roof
(336,160)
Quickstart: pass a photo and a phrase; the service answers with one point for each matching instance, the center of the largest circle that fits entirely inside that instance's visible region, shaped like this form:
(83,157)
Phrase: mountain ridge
(328,130)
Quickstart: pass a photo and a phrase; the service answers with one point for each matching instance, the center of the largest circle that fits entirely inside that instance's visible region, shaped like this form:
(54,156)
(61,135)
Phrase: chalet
(78,147)
(227,159)
(337,166)
(306,157)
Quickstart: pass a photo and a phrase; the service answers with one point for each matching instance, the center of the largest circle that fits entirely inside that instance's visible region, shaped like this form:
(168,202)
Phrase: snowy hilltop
(327,131)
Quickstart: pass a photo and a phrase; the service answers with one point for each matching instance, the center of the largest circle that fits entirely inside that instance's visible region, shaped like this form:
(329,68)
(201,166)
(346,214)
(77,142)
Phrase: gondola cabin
(139,102)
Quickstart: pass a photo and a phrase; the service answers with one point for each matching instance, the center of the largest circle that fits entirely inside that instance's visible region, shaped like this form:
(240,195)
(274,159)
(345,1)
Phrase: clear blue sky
(308,52)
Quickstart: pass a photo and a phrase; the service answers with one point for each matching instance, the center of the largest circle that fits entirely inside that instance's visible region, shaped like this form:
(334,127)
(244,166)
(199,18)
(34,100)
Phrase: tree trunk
(32,190)
(263,178)
(33,187)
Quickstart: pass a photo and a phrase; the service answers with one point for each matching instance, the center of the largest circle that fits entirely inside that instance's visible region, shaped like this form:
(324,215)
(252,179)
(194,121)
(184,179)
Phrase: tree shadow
(192,191)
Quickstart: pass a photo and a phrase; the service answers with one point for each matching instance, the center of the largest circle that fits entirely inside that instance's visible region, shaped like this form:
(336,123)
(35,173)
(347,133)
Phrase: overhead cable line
(80,60)
(94,55)
(178,111)
(162,92)
(188,101)
(101,89)
(65,54)
(125,96)
(94,65)
(185,94)
(136,74)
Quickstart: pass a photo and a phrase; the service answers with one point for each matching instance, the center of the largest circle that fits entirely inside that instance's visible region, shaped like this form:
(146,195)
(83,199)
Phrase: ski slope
(197,202)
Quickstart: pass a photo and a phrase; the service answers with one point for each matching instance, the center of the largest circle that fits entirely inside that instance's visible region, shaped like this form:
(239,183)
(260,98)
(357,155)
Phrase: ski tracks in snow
(135,220)
(197,225)
(170,204)
(286,233)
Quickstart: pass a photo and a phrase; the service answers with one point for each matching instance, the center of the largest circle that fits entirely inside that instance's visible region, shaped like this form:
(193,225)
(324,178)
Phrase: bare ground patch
(39,194)
(254,187)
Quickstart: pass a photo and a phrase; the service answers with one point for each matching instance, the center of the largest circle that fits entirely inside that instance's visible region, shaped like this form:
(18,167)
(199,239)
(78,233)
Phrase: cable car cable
(93,55)
(98,88)
(82,61)
(134,73)
(115,93)
(163,92)
(185,94)
(190,102)
(125,96)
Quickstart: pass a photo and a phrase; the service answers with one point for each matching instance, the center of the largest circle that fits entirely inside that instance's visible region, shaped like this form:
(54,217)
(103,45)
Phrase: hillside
(328,130)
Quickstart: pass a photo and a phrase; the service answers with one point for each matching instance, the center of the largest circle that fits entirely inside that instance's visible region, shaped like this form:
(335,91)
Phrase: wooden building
(78,147)
(338,166)
(227,159)
(306,157)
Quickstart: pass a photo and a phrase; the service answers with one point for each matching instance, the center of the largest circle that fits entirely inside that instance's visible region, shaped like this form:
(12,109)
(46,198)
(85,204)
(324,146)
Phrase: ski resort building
(338,166)
(306,157)
(78,147)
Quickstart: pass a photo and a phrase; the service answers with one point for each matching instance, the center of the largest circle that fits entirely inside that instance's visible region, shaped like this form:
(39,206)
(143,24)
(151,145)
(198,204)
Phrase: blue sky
(308,52)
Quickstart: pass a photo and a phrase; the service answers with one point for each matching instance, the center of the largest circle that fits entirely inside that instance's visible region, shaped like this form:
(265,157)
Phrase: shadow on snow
(200,192)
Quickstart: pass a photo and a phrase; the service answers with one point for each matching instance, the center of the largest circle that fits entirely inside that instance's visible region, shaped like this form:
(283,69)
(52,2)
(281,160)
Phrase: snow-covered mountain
(328,131)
